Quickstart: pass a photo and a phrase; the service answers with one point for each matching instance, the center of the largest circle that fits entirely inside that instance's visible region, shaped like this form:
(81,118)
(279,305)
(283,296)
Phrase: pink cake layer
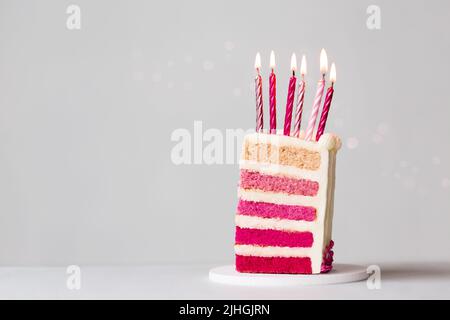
(253,264)
(271,210)
(255,180)
(273,238)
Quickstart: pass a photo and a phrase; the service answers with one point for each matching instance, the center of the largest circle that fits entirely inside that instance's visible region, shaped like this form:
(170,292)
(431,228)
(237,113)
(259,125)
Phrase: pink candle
(273,95)
(327,104)
(259,97)
(290,98)
(318,97)
(300,99)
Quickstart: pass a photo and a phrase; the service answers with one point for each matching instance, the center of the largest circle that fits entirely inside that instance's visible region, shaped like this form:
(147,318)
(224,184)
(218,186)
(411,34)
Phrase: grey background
(86,118)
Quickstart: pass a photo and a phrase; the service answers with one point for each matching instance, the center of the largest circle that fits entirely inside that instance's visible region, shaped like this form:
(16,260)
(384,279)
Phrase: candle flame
(323,62)
(258,61)
(293,62)
(333,73)
(303,66)
(272,60)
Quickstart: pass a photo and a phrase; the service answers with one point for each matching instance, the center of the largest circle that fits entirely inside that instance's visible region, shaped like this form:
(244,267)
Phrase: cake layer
(273,264)
(272,210)
(275,238)
(274,223)
(254,180)
(327,141)
(271,251)
(285,155)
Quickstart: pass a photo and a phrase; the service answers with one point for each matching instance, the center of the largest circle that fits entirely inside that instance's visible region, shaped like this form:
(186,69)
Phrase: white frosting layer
(253,222)
(249,250)
(278,198)
(279,170)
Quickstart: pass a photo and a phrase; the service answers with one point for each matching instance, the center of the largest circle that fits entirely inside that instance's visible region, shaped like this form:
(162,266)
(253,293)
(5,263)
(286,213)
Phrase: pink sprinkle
(327,260)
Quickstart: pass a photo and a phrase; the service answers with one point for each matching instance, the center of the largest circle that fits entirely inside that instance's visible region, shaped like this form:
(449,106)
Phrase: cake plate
(341,273)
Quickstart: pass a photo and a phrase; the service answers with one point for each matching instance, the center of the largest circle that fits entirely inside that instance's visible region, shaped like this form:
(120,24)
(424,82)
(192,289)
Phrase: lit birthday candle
(290,97)
(273,95)
(318,97)
(300,99)
(327,103)
(259,97)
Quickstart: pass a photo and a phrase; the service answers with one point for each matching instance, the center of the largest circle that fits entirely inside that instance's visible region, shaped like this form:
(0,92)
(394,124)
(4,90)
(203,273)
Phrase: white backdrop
(86,118)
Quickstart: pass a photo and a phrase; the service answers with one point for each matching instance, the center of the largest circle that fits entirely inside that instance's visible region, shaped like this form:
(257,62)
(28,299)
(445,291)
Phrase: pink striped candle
(258,93)
(300,99)
(327,104)
(273,95)
(290,98)
(318,97)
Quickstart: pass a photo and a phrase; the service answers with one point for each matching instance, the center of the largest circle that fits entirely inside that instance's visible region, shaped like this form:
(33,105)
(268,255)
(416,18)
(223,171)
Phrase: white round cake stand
(341,273)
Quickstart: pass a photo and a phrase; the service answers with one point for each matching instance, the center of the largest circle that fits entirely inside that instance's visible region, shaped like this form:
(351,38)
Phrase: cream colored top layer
(328,141)
(289,151)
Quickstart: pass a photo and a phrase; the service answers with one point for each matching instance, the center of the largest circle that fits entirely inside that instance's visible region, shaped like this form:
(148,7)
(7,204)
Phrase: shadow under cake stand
(341,273)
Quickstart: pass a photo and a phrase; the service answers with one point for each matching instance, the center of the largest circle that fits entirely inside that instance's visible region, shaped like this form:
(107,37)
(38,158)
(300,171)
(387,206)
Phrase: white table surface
(398,281)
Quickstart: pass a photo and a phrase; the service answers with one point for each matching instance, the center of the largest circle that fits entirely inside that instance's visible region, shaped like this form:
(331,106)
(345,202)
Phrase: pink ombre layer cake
(285,208)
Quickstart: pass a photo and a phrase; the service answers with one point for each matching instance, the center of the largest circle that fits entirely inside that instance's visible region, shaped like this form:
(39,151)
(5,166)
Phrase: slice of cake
(285,209)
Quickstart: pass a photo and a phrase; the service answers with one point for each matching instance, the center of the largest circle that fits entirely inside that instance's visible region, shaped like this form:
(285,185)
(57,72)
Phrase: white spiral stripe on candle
(259,104)
(299,109)
(256,100)
(315,110)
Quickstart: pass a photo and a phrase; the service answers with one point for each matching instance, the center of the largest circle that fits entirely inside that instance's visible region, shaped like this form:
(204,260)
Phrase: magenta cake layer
(252,264)
(274,238)
(255,180)
(272,210)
